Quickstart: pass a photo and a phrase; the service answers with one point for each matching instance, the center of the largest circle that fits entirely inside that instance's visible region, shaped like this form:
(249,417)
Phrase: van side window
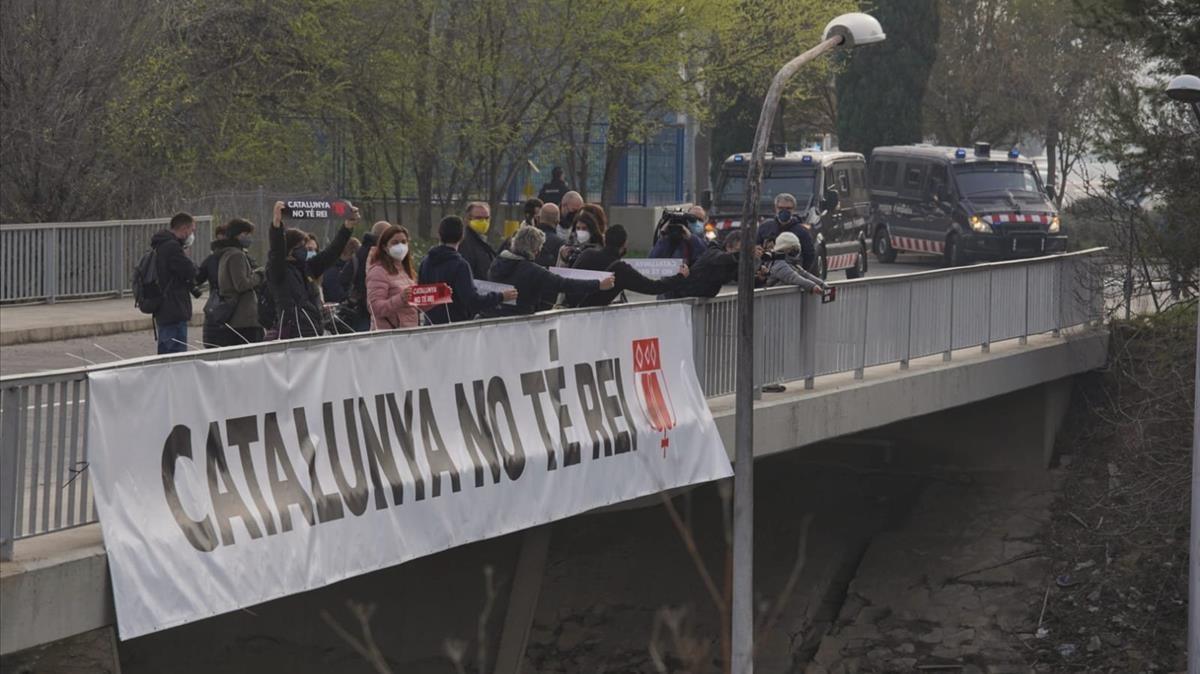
(889,174)
(876,173)
(914,175)
(938,179)
(843,181)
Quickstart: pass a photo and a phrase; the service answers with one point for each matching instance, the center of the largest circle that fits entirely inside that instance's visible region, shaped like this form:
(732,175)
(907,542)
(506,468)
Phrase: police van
(960,205)
(831,195)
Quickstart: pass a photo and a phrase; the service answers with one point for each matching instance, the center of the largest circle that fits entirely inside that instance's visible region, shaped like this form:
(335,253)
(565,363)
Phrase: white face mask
(398,251)
(583,236)
(191,238)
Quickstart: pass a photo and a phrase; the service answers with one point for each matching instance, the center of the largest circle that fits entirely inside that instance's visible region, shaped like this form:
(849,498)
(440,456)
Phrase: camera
(676,224)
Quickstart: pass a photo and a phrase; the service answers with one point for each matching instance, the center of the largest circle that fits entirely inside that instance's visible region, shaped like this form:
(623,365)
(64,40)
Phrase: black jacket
(534,283)
(477,252)
(176,274)
(206,272)
(714,269)
(770,229)
(443,264)
(626,277)
(294,284)
(553,191)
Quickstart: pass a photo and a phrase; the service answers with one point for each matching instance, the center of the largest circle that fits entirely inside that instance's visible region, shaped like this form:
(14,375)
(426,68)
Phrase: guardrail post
(950,345)
(119,257)
(1025,331)
(1062,299)
(908,331)
(699,341)
(10,427)
(987,341)
(808,328)
(50,252)
(858,373)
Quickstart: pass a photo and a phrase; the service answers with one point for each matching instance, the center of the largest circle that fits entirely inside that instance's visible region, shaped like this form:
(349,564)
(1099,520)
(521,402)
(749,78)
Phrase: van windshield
(997,178)
(797,181)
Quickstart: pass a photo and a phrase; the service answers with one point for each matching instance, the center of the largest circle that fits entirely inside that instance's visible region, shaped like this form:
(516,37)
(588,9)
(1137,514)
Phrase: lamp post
(1186,89)
(848,30)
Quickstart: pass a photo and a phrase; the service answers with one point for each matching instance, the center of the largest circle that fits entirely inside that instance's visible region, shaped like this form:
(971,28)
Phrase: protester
(293,265)
(590,222)
(786,220)
(784,266)
(354,278)
(553,191)
(175,274)
(390,278)
(517,268)
(626,277)
(531,208)
(206,272)
(571,203)
(474,247)
(332,286)
(444,264)
(715,268)
(238,282)
(547,222)
(681,239)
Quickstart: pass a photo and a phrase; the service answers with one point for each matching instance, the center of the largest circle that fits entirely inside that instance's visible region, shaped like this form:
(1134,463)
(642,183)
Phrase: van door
(937,206)
(907,223)
(856,219)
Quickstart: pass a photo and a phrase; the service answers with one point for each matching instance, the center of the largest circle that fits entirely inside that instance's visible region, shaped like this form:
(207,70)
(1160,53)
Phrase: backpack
(147,295)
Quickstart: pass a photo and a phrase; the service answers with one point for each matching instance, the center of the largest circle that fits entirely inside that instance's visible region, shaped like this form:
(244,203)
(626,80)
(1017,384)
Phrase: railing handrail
(95,223)
(81,372)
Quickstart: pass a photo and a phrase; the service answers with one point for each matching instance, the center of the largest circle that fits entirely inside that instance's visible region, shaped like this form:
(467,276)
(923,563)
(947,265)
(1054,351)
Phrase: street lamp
(848,30)
(1186,89)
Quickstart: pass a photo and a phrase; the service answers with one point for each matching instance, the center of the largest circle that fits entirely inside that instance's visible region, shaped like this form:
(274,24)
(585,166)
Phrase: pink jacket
(385,299)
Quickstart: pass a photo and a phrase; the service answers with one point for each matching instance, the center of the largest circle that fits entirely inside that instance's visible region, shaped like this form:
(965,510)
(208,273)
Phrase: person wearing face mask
(787,220)
(293,268)
(237,283)
(608,258)
(176,276)
(390,278)
(571,203)
(681,238)
(474,247)
(534,283)
(590,224)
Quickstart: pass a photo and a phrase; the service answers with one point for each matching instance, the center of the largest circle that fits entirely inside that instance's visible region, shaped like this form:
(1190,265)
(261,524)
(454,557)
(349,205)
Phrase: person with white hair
(517,267)
(785,267)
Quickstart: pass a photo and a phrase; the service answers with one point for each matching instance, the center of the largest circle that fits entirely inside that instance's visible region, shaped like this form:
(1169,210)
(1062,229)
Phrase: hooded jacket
(237,279)
(534,283)
(477,252)
(443,264)
(787,269)
(626,277)
(772,228)
(176,274)
(294,283)
(386,298)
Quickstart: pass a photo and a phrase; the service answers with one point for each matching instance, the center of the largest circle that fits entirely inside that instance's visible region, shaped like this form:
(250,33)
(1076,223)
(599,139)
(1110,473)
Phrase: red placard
(430,295)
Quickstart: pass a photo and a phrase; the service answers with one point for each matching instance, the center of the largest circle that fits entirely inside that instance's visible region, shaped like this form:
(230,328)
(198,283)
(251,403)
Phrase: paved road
(77,352)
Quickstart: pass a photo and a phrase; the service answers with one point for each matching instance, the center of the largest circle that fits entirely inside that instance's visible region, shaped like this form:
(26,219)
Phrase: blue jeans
(168,333)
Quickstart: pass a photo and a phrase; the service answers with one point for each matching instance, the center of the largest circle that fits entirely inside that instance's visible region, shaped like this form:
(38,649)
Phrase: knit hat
(786,242)
(293,238)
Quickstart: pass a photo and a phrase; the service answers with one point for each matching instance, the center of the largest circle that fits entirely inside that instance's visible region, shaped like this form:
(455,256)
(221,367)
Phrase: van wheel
(953,253)
(882,245)
(860,262)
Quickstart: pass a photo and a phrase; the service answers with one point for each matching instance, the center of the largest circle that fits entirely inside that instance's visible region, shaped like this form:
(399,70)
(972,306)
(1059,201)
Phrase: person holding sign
(293,271)
(390,278)
(534,283)
(443,264)
(626,277)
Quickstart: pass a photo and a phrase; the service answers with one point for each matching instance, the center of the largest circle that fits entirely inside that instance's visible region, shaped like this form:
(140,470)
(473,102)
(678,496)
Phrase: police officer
(787,220)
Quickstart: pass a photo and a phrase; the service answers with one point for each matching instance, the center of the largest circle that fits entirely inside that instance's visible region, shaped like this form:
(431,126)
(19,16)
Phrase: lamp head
(856,29)
(1185,88)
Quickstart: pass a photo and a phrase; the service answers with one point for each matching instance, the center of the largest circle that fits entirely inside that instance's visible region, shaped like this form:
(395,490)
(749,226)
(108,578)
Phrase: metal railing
(44,484)
(56,260)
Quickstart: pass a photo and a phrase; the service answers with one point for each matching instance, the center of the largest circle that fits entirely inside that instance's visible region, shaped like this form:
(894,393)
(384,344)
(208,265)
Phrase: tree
(881,91)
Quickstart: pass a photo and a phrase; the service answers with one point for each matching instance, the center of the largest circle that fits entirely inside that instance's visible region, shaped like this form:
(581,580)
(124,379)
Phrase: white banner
(581,274)
(655,267)
(225,483)
(491,287)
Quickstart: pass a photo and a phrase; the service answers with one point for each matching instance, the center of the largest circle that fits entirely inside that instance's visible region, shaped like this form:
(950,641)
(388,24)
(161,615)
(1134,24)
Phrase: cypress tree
(881,88)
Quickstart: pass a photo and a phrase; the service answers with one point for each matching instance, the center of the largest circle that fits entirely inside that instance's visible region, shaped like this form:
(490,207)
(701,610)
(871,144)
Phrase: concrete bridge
(926,360)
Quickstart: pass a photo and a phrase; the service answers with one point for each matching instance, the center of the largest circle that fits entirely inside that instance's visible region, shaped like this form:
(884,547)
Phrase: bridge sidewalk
(28,323)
